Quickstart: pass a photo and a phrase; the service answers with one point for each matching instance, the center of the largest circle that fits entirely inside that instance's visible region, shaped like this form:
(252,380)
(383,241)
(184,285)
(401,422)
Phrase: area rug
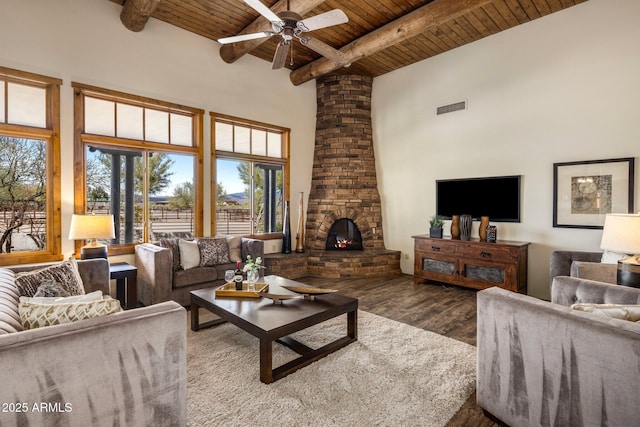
(394,375)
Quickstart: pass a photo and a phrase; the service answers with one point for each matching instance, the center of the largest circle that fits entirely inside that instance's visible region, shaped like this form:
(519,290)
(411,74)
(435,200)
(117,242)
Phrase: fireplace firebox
(344,235)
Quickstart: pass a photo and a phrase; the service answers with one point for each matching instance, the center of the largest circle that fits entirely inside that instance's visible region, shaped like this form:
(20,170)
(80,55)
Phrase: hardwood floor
(443,309)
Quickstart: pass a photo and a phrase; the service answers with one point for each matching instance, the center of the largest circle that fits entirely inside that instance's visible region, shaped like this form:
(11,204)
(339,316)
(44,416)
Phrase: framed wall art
(584,192)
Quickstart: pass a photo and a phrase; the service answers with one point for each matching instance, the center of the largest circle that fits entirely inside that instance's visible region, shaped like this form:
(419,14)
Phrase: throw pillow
(189,254)
(66,273)
(9,294)
(34,315)
(235,252)
(49,288)
(629,312)
(172,245)
(610,257)
(213,251)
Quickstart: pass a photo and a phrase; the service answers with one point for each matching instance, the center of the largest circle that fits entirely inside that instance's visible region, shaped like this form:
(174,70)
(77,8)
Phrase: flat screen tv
(496,197)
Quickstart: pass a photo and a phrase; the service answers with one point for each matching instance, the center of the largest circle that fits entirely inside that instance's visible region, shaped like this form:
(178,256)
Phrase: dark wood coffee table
(270,322)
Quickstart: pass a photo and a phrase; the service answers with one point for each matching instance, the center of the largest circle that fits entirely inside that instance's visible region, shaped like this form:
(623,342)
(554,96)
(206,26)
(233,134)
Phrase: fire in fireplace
(344,236)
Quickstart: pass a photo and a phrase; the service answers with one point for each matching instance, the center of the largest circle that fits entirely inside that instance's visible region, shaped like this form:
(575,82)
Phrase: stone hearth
(344,182)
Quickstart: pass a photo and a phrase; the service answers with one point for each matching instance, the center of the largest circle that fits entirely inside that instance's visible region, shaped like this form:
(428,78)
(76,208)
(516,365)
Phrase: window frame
(82,140)
(51,135)
(284,160)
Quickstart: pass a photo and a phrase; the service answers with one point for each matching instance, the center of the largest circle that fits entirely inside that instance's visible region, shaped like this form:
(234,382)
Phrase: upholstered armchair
(542,363)
(585,265)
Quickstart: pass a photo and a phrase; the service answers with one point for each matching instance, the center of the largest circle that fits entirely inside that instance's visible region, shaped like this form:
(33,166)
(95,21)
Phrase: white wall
(84,41)
(561,88)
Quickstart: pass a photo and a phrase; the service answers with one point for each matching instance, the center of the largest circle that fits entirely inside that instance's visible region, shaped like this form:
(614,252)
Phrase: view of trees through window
(119,180)
(23,191)
(250,173)
(30,206)
(249,197)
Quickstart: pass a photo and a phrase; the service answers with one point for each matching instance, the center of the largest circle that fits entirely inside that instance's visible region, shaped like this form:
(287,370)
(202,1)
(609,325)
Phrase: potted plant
(436,223)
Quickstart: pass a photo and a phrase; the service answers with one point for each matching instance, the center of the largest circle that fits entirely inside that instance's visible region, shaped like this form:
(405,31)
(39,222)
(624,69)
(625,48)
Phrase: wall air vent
(457,106)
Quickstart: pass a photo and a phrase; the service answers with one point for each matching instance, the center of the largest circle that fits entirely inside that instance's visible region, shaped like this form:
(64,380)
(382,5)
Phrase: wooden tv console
(471,263)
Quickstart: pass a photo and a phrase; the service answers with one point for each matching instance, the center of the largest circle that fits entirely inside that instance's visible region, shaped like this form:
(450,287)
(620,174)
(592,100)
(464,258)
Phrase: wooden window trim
(215,154)
(51,134)
(81,139)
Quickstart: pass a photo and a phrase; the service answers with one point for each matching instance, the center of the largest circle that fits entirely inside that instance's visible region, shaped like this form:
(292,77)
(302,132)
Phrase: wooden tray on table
(229,290)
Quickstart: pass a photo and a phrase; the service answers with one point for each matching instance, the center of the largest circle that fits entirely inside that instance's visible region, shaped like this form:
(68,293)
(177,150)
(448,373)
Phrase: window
(30,221)
(251,175)
(141,161)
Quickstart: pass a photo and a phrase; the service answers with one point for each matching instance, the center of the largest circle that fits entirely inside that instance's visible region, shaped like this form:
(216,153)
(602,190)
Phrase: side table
(125,276)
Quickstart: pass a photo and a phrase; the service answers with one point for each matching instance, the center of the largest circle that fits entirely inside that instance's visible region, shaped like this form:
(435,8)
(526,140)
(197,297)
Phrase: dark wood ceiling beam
(136,13)
(232,52)
(410,25)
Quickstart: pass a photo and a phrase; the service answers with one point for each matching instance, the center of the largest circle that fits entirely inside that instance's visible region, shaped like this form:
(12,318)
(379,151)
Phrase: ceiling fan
(289,24)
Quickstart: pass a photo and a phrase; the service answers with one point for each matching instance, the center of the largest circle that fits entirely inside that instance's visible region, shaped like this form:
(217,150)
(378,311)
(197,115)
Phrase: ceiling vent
(457,106)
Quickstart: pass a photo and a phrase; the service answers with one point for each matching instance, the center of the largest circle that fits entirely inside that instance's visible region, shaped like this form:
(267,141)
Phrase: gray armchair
(585,265)
(561,261)
(541,363)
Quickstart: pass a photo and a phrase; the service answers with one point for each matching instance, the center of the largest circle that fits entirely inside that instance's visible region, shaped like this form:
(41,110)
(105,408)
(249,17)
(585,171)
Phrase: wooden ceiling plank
(554,5)
(518,12)
(506,13)
(407,26)
(495,16)
(193,16)
(400,53)
(530,9)
(542,7)
(368,16)
(478,25)
(426,45)
(445,41)
(232,52)
(456,33)
(481,16)
(136,13)
(475,30)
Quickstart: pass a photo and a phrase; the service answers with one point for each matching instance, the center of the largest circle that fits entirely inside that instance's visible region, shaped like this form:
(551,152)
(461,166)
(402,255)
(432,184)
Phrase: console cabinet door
(481,274)
(439,268)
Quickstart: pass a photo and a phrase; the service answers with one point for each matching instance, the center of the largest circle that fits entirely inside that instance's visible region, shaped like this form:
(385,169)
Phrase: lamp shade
(86,227)
(621,233)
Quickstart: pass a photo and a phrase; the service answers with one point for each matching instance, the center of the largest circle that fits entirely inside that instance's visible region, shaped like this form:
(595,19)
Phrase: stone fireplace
(344,203)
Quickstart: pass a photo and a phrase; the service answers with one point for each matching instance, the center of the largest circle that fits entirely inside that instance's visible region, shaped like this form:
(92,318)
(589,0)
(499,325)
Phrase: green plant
(436,222)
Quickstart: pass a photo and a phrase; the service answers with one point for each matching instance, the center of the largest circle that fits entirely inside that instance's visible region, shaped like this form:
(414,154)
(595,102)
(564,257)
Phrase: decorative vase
(455,226)
(465,227)
(482,230)
(300,234)
(286,230)
(492,233)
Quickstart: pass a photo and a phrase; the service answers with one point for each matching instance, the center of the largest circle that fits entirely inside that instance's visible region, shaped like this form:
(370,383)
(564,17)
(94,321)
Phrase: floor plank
(444,309)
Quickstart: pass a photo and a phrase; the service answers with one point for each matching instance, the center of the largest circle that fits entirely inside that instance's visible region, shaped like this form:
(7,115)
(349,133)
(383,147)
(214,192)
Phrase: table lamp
(92,227)
(621,234)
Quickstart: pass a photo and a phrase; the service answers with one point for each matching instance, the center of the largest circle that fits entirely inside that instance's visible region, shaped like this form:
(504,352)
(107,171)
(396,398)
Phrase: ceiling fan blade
(327,19)
(280,57)
(244,37)
(263,10)
(323,49)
